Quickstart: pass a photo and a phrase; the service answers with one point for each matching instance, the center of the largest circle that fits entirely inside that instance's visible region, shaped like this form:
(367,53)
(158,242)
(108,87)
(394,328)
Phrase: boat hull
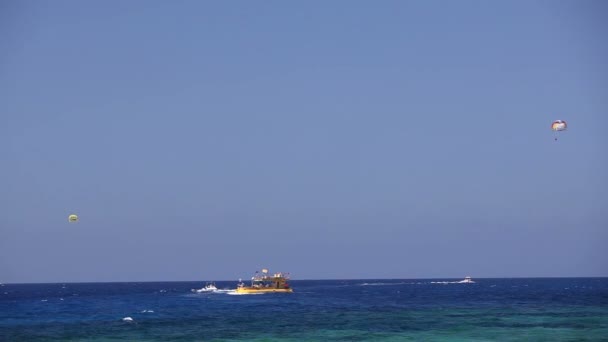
(257,290)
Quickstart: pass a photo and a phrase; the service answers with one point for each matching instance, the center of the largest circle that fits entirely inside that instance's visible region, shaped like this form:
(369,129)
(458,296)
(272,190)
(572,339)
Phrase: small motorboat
(466,280)
(209,287)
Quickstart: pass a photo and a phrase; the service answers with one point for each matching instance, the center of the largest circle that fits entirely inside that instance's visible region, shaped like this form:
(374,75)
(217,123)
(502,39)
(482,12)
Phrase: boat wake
(198,291)
(234,293)
(466,280)
(386,284)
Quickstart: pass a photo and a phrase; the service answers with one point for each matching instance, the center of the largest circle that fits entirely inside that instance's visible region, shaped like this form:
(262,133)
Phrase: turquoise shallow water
(564,309)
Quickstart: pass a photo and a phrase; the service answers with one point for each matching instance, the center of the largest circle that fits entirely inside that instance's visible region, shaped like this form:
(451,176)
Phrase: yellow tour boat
(265,283)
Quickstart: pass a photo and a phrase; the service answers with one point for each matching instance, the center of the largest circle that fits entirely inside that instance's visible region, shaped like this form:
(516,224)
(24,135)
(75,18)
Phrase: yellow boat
(265,283)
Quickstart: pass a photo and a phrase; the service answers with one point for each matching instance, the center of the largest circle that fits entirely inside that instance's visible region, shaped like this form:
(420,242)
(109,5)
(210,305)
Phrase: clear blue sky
(344,139)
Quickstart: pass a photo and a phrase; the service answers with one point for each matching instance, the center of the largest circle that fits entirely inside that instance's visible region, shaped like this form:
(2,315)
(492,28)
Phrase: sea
(519,309)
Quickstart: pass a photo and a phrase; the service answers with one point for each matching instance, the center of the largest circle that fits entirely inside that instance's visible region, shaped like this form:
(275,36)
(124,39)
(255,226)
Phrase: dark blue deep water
(559,309)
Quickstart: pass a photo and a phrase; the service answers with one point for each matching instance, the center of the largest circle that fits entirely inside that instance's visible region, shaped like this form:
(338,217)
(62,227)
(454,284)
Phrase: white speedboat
(466,280)
(209,287)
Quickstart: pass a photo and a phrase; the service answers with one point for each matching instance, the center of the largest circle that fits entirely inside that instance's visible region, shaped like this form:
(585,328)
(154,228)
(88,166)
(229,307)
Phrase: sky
(204,140)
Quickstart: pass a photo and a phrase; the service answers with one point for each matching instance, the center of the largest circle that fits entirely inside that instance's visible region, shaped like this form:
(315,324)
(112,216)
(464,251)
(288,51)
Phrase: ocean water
(558,309)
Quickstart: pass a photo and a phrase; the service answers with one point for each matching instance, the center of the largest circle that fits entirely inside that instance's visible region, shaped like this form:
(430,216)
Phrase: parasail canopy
(559,125)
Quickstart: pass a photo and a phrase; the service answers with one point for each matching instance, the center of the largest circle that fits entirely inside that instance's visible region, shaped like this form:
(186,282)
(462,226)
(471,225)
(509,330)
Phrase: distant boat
(265,283)
(209,287)
(466,280)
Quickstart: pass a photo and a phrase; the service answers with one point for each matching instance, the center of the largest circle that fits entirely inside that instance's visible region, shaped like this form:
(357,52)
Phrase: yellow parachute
(558,125)
(73,218)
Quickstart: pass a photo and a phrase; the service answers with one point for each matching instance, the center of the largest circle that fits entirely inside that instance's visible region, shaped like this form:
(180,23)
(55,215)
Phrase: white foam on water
(194,292)
(127,319)
(234,293)
(385,284)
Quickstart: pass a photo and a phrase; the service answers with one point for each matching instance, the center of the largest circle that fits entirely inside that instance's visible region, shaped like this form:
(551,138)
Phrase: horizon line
(303,279)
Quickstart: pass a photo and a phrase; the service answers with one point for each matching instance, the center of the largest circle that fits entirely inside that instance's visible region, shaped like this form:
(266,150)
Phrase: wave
(386,284)
(214,291)
(391,284)
(234,293)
